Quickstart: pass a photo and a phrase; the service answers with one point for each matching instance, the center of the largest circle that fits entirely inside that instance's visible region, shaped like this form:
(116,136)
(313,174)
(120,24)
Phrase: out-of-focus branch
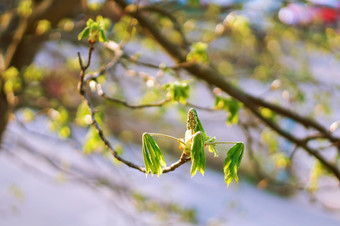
(118,54)
(213,77)
(133,106)
(160,67)
(270,182)
(177,26)
(18,51)
(81,88)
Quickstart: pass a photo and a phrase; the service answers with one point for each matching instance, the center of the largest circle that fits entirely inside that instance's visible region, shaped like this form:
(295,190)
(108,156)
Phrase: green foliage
(83,116)
(43,26)
(193,2)
(33,74)
(12,81)
(153,157)
(212,147)
(194,126)
(58,121)
(198,53)
(238,47)
(231,106)
(95,30)
(123,28)
(92,141)
(232,162)
(25,8)
(194,143)
(197,154)
(178,91)
(268,114)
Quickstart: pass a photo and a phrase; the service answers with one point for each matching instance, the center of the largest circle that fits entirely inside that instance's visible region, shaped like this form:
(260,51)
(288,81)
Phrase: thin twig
(81,87)
(189,104)
(183,159)
(83,93)
(161,67)
(220,143)
(126,104)
(167,136)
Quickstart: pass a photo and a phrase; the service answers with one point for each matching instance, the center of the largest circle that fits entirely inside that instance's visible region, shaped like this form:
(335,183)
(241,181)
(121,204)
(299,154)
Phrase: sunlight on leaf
(198,53)
(153,157)
(25,8)
(178,91)
(231,106)
(197,154)
(212,147)
(95,30)
(232,162)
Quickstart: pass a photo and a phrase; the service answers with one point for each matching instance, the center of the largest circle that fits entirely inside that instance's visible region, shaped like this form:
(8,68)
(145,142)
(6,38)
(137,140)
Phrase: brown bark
(3,112)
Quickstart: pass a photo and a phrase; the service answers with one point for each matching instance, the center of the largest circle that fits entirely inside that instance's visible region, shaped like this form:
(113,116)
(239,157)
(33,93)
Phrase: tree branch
(177,26)
(82,90)
(213,77)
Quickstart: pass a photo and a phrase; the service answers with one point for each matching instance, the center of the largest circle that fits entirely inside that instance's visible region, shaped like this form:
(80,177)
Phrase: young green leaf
(197,154)
(211,147)
(102,36)
(231,106)
(84,34)
(89,22)
(153,157)
(198,53)
(95,30)
(232,162)
(178,91)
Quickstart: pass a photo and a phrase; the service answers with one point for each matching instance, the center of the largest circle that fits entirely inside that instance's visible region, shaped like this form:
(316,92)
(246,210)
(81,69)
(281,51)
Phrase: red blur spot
(328,15)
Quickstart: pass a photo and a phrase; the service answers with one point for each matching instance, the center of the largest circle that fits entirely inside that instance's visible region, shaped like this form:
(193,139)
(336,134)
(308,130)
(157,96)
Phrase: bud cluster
(192,120)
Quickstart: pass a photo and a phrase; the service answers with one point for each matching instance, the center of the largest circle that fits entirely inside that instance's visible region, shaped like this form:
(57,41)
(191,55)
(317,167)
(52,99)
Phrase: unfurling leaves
(198,53)
(212,147)
(153,157)
(178,91)
(196,134)
(194,143)
(232,162)
(197,154)
(95,30)
(231,106)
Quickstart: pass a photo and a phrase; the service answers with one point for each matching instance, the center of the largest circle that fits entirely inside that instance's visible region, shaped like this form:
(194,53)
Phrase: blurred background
(55,168)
